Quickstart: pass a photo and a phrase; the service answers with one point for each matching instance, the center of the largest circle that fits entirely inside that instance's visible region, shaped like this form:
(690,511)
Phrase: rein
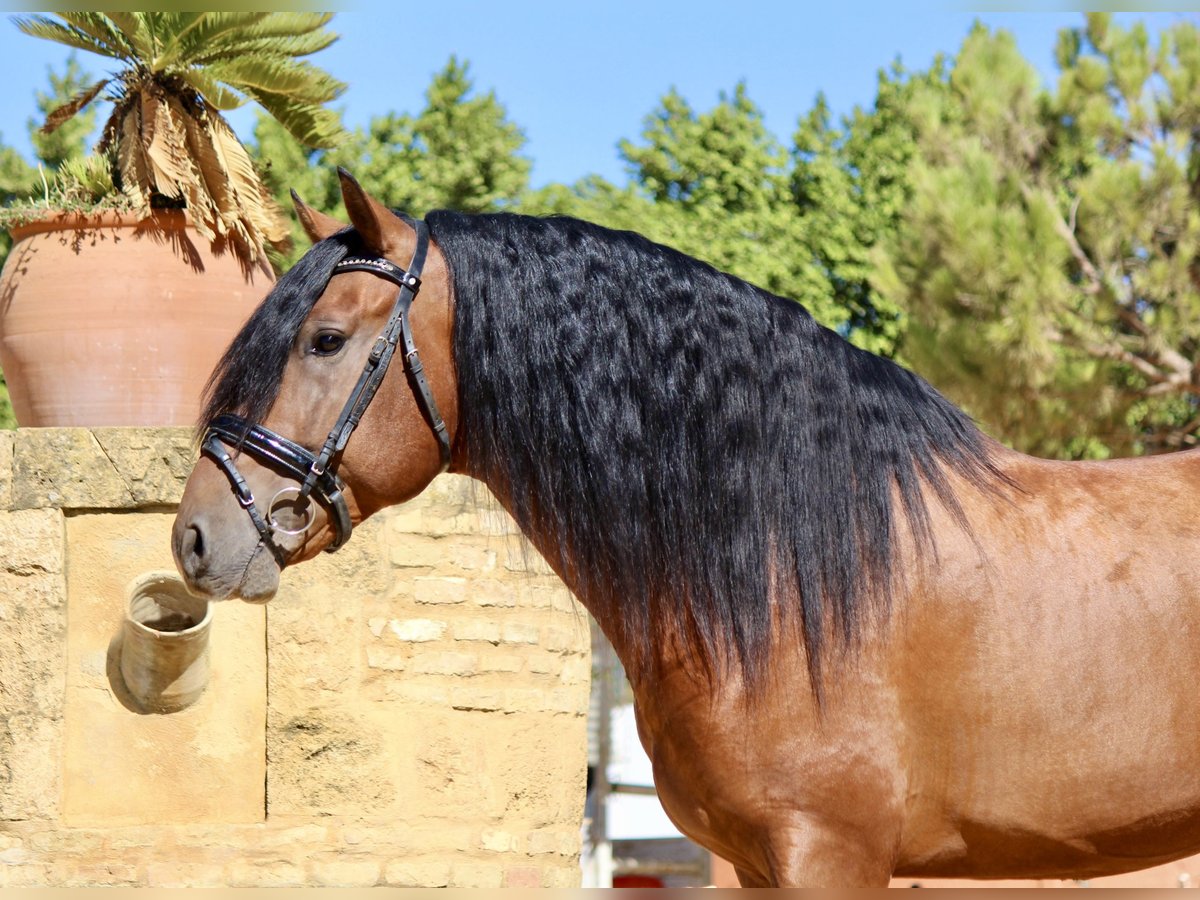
(317,472)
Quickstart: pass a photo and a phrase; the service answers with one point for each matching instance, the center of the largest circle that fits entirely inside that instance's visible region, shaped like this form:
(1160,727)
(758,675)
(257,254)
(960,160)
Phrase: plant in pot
(130,274)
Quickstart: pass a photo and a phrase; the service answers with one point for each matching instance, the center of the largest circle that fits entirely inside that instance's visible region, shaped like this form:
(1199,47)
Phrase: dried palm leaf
(71,108)
(131,159)
(165,149)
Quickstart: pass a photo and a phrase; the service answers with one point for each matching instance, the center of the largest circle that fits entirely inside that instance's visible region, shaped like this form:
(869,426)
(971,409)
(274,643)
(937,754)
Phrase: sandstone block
(473,699)
(476,875)
(566,640)
(445,663)
(501,662)
(33,624)
(498,841)
(520,633)
(439,589)
(276,873)
(545,664)
(417,630)
(386,660)
(65,468)
(31,875)
(178,874)
(417,873)
(30,768)
(73,872)
(154,463)
(460,552)
(266,837)
(562,877)
(542,842)
(335,872)
(448,506)
(31,542)
(523,877)
(6,470)
(323,762)
(478,630)
(495,593)
(77,840)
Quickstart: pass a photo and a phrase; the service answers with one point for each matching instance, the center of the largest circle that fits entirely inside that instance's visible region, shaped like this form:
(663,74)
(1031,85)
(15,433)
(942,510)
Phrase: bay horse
(864,638)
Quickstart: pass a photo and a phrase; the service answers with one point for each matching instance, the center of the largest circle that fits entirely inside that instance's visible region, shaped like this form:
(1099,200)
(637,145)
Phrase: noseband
(317,473)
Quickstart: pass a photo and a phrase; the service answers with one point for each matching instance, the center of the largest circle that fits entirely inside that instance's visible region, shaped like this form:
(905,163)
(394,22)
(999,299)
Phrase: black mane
(689,437)
(695,444)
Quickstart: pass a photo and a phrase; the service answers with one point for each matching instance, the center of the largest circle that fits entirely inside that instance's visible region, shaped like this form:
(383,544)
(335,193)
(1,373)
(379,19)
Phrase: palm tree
(169,144)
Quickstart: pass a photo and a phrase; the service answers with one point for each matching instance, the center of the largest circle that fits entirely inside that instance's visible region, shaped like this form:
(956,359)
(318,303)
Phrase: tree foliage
(719,186)
(1048,257)
(460,152)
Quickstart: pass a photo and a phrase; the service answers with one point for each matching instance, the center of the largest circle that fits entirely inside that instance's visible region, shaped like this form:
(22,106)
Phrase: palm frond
(209,31)
(300,82)
(134,26)
(166,135)
(209,190)
(288,46)
(166,152)
(259,210)
(131,159)
(72,107)
(236,205)
(216,95)
(313,126)
(41,27)
(175,28)
(102,28)
(286,24)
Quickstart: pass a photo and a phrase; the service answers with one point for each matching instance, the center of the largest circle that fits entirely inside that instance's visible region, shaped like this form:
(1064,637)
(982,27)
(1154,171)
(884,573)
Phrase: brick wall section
(426,694)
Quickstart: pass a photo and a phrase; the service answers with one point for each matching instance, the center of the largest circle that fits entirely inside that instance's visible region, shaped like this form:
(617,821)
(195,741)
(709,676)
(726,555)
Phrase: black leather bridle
(317,472)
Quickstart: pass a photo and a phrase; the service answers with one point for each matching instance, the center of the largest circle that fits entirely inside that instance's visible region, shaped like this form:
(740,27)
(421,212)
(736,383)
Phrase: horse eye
(327,343)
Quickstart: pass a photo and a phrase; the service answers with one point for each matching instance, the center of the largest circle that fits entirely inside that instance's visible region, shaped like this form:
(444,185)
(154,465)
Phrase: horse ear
(371,219)
(315,223)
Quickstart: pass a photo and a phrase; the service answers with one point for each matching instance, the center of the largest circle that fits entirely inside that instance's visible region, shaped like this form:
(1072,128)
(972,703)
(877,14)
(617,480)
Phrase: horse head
(307,428)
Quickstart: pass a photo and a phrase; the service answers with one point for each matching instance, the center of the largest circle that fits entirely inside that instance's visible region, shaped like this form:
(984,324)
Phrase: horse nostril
(196,537)
(189,550)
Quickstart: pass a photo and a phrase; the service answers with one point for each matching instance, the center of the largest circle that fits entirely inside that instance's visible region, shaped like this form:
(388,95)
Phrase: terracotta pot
(112,319)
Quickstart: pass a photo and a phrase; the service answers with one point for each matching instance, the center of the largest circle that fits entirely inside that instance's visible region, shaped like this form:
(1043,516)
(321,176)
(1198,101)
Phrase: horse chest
(730,771)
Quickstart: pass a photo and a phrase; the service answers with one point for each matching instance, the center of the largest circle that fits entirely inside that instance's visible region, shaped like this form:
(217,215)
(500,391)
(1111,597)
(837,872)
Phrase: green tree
(1048,256)
(714,185)
(69,140)
(851,185)
(19,179)
(459,152)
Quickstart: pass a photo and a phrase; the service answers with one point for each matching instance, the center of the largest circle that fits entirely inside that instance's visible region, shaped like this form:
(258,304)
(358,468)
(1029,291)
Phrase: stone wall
(410,711)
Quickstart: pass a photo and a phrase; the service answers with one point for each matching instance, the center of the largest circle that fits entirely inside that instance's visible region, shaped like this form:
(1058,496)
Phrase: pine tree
(1048,257)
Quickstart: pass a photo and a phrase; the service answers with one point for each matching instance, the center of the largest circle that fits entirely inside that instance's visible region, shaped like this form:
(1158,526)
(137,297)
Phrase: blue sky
(577,77)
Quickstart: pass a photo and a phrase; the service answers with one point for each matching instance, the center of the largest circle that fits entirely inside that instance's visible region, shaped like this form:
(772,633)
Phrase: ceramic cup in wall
(164,647)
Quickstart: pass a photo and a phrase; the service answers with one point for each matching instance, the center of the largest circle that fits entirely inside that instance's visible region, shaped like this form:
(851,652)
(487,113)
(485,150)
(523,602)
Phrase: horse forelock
(693,444)
(246,380)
